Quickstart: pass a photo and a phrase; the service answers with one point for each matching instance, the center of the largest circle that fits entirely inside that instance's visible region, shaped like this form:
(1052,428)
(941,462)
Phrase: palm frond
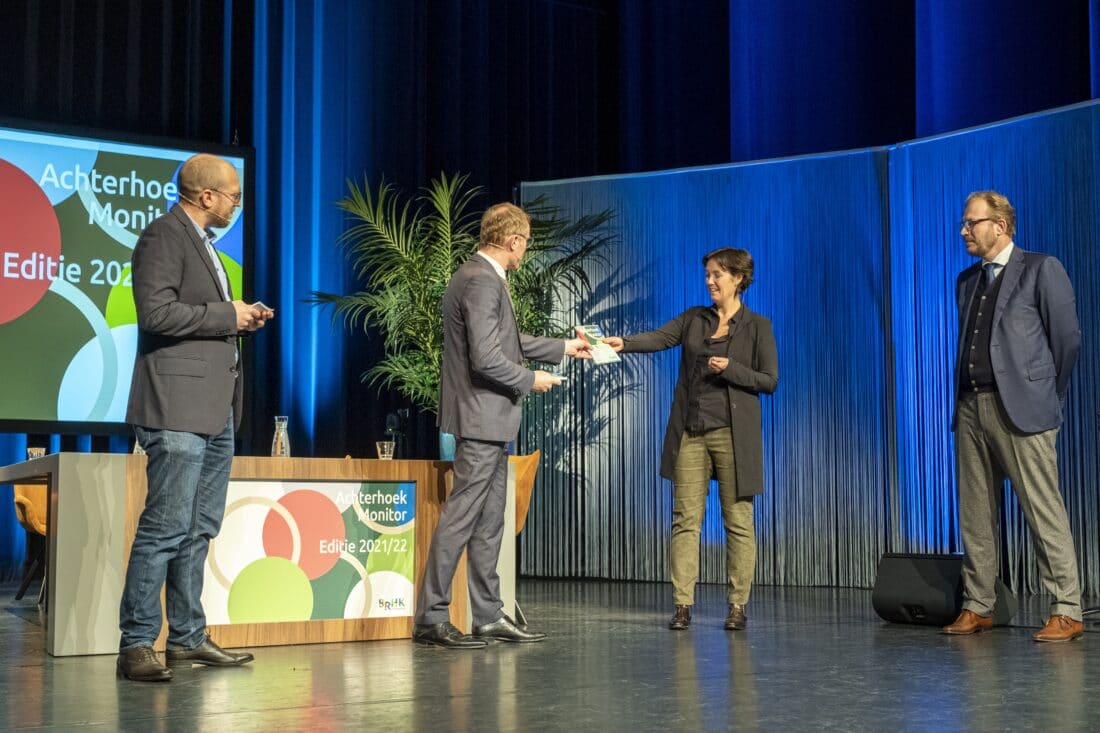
(404,249)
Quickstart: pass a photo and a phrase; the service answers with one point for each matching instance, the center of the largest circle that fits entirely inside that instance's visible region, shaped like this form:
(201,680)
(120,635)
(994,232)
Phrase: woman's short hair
(735,262)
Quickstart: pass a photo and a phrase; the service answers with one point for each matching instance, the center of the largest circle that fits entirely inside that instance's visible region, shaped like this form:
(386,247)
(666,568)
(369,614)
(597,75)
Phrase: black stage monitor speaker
(927,589)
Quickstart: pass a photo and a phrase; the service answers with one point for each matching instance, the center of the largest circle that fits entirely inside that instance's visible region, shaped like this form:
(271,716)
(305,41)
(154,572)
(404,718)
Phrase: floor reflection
(811,658)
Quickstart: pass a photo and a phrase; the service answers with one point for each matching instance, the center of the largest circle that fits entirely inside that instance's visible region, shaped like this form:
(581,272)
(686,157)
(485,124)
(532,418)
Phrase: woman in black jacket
(728,358)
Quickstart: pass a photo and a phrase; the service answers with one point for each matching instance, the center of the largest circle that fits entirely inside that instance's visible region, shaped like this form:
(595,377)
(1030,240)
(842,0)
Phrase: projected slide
(71,210)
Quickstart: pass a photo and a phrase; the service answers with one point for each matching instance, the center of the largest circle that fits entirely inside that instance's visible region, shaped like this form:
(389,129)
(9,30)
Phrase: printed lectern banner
(312,550)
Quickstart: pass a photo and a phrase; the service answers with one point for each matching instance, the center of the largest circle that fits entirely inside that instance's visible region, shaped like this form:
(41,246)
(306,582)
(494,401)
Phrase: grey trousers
(988,449)
(472,520)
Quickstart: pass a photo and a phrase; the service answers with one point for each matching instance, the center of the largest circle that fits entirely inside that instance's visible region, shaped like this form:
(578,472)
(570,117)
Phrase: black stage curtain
(121,65)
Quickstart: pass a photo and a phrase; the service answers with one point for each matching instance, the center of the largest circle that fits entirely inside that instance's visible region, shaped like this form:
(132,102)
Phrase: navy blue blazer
(1035,337)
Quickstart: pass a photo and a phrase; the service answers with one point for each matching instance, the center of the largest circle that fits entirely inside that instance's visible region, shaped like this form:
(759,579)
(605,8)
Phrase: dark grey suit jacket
(483,380)
(1035,337)
(185,377)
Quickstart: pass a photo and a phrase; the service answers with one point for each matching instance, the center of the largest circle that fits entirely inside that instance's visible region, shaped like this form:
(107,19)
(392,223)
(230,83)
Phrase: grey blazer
(186,375)
(753,370)
(1035,338)
(483,379)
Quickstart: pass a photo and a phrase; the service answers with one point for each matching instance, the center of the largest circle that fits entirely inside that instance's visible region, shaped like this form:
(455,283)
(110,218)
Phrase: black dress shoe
(681,618)
(140,663)
(445,635)
(505,629)
(207,653)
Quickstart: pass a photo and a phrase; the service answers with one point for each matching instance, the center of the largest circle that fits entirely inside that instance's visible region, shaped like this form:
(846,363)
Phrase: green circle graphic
(120,310)
(269,590)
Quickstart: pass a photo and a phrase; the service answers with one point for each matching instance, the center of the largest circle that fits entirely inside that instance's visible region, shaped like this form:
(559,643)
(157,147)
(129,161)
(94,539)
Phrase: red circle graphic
(30,243)
(320,526)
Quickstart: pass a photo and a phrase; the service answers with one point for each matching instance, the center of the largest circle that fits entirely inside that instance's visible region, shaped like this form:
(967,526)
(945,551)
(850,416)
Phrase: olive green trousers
(702,456)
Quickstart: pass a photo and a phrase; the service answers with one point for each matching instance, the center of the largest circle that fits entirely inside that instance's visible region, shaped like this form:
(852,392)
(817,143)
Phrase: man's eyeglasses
(234,197)
(969,224)
(527,238)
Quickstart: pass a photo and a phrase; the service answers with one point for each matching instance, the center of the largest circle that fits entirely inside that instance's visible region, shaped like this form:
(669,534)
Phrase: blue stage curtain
(310,100)
(1047,165)
(858,443)
(816,229)
(811,77)
(676,62)
(399,91)
(1094,47)
(807,77)
(505,90)
(988,60)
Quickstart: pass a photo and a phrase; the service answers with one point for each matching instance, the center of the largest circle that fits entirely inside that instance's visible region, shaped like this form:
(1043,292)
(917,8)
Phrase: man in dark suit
(483,382)
(185,405)
(1018,342)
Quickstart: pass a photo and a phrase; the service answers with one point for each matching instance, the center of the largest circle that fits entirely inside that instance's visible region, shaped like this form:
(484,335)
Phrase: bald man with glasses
(185,406)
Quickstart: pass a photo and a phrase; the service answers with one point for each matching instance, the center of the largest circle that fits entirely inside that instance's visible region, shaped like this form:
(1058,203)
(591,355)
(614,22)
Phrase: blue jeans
(188,476)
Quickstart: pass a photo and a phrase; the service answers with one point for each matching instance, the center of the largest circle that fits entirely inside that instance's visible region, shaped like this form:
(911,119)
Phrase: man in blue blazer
(1018,342)
(483,383)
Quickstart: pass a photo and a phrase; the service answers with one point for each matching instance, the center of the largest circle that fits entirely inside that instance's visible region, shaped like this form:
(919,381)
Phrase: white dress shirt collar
(496,266)
(1002,257)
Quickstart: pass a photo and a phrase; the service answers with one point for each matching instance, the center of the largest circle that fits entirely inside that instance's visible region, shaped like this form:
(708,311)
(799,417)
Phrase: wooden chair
(527,467)
(30,510)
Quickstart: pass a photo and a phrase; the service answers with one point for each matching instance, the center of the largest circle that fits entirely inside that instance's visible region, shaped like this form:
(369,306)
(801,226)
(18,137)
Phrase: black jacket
(753,368)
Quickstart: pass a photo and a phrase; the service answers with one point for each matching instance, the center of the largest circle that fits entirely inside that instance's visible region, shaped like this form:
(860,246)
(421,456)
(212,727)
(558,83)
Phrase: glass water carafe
(280,443)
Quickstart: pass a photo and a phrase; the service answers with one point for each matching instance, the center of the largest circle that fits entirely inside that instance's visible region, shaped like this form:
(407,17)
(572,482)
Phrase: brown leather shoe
(1060,628)
(736,620)
(681,619)
(969,622)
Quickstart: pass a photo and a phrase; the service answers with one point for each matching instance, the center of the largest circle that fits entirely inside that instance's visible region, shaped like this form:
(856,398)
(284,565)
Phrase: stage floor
(812,659)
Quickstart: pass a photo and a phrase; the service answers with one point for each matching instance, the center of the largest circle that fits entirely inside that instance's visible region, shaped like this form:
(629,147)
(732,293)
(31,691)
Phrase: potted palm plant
(404,249)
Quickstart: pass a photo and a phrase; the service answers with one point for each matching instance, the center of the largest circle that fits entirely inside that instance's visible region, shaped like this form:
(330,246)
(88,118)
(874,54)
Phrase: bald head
(205,171)
(209,190)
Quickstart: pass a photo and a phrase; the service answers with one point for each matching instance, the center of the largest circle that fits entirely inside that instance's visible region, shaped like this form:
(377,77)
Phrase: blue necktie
(990,273)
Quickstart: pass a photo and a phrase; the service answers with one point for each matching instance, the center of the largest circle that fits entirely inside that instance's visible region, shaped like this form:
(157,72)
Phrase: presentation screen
(71,210)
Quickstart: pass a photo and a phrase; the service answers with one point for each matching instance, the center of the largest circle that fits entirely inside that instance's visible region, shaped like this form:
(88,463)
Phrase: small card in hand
(601,352)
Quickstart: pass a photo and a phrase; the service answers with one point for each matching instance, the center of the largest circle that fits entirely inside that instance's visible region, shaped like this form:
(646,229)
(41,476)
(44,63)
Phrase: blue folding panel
(816,228)
(1046,165)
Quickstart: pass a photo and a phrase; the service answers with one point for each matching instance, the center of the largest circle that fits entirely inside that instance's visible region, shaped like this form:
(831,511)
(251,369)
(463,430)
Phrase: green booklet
(601,352)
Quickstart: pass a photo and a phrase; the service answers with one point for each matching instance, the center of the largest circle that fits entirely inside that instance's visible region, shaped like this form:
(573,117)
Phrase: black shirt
(708,399)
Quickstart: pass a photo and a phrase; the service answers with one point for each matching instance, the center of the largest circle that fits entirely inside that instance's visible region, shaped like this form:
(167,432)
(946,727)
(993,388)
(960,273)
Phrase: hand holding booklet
(601,352)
